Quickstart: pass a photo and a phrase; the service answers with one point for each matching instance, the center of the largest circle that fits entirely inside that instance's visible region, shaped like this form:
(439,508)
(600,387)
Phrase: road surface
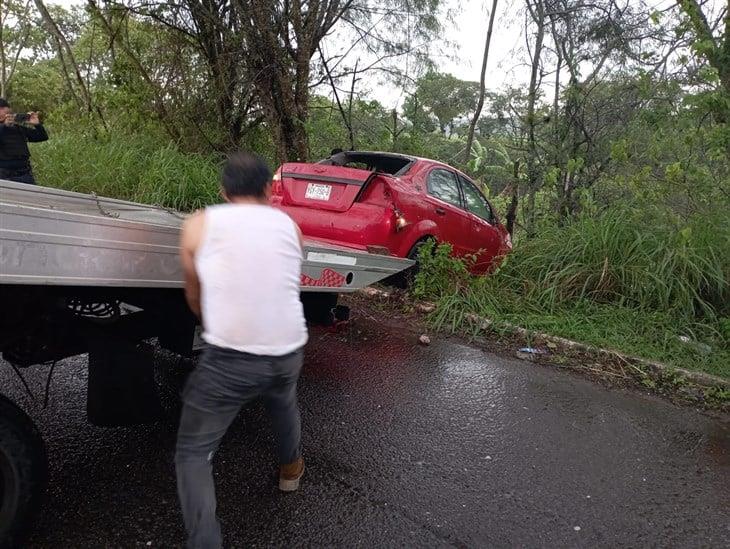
(439,446)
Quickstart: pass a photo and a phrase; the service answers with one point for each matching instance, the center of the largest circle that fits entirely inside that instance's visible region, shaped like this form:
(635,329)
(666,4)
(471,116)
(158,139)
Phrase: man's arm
(190,238)
(37,132)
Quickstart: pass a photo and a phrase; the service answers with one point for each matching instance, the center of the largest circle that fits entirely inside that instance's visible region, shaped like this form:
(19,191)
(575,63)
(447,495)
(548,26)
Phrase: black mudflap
(121,389)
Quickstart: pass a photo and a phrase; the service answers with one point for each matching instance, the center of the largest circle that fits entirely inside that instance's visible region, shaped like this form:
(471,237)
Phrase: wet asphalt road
(406,445)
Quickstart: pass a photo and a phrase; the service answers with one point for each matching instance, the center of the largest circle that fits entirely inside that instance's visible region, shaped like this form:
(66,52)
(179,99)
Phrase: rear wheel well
(413,252)
(405,278)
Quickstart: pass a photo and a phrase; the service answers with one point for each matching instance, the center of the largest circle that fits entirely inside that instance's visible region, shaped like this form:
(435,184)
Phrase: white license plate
(315,191)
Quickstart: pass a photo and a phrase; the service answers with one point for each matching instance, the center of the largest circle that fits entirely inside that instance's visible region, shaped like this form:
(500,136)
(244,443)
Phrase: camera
(21,118)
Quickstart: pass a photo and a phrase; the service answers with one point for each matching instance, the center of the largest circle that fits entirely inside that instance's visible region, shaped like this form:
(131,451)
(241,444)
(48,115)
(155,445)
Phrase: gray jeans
(220,385)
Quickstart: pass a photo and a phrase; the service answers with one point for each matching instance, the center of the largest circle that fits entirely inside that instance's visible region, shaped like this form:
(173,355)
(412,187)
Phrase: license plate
(315,191)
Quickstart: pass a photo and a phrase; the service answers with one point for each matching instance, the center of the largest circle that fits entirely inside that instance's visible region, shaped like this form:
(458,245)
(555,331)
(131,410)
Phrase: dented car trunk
(335,183)
(332,188)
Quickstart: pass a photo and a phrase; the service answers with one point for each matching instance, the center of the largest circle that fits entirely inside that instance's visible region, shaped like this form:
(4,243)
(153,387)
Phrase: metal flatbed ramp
(55,237)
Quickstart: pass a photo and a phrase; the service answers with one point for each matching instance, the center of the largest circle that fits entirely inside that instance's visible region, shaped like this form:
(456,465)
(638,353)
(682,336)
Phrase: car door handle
(440,211)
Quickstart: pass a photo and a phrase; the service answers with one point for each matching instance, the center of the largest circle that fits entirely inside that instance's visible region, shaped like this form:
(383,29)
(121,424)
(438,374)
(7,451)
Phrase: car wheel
(405,279)
(23,473)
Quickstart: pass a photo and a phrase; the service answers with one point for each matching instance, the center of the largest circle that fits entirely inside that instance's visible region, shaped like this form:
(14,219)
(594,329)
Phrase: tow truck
(84,274)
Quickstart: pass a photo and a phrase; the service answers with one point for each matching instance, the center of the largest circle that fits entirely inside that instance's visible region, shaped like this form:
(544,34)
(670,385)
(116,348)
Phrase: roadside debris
(426,307)
(530,353)
(702,348)
(369,291)
(424,340)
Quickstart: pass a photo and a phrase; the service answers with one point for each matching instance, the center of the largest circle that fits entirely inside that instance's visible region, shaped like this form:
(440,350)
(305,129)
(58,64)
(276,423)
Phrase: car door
(484,239)
(445,207)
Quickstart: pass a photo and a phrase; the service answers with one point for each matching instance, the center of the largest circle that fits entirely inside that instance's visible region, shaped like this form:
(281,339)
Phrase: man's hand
(8,119)
(34,119)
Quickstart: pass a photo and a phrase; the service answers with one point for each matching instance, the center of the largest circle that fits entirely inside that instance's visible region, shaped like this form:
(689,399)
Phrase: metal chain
(101,208)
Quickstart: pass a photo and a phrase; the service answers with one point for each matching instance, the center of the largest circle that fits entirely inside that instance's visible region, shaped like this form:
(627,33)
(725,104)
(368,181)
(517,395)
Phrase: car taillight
(400,221)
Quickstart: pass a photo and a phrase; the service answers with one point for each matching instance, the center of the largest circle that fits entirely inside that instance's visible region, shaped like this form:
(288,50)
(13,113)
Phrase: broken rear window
(394,164)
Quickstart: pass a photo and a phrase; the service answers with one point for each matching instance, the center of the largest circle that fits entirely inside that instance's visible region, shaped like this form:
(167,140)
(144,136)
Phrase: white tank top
(249,263)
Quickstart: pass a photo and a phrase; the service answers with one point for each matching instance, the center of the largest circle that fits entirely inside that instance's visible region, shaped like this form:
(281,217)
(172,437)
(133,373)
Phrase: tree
(445,97)
(417,115)
(267,47)
(68,61)
(15,34)
(712,42)
(537,11)
(587,37)
(482,84)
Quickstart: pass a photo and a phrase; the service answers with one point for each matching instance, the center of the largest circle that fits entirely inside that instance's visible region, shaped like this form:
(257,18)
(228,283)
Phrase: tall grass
(615,258)
(132,167)
(612,280)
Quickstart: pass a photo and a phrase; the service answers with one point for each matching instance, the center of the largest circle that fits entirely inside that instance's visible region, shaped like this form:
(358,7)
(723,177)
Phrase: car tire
(404,279)
(23,473)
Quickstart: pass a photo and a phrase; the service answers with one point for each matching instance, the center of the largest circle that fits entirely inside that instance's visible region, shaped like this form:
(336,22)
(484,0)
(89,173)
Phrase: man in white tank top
(242,262)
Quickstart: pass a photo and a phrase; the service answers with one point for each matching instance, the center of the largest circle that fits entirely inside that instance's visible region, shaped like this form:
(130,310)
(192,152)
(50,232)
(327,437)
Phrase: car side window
(442,184)
(475,202)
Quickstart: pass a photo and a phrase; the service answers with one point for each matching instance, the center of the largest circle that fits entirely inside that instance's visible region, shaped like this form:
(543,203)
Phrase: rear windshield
(394,164)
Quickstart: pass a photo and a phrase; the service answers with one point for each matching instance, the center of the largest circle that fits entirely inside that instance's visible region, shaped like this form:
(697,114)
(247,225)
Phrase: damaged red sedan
(384,201)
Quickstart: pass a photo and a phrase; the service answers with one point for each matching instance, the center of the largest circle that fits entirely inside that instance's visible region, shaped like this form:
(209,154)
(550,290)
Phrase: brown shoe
(290,475)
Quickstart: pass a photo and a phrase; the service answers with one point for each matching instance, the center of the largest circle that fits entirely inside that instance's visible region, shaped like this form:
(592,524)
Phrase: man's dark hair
(245,174)
(4,103)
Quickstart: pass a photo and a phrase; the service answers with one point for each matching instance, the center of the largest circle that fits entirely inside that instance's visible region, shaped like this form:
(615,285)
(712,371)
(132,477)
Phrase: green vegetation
(132,167)
(609,281)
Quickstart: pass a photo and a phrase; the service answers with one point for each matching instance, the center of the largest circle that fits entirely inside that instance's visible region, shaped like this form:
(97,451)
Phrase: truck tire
(23,473)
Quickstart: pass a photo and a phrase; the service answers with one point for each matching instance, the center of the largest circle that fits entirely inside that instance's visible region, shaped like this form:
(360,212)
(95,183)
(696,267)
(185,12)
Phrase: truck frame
(84,274)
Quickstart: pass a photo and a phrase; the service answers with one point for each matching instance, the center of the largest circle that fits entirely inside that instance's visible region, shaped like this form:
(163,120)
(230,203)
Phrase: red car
(376,201)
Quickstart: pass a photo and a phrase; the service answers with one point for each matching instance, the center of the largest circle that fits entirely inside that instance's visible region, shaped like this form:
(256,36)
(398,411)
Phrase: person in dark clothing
(15,133)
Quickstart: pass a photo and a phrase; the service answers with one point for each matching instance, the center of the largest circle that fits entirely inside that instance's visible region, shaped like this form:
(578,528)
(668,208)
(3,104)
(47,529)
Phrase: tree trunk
(556,107)
(349,108)
(3,68)
(482,86)
(512,210)
(538,14)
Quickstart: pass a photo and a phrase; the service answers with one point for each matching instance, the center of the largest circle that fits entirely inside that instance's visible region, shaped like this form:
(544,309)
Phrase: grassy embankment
(611,281)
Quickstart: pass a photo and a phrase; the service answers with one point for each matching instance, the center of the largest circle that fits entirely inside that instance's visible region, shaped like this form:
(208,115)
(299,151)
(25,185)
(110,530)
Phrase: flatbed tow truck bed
(84,274)
(61,238)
